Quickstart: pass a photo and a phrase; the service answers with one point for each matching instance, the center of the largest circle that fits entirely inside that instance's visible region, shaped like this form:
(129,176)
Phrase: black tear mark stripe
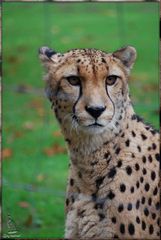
(80,94)
(111,101)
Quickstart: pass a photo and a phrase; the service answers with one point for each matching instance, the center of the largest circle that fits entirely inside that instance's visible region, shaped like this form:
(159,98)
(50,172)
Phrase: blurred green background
(35,162)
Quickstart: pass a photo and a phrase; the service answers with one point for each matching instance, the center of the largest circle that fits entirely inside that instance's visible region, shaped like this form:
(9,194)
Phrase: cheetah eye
(110,80)
(74,80)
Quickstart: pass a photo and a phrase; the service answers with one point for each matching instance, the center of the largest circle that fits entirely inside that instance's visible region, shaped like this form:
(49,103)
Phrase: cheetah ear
(48,56)
(127,55)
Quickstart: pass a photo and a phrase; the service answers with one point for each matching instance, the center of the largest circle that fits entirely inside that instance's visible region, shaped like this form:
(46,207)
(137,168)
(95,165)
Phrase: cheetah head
(87,87)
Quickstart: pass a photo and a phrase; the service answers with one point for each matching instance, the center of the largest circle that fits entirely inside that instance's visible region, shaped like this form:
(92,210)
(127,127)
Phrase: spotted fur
(113,185)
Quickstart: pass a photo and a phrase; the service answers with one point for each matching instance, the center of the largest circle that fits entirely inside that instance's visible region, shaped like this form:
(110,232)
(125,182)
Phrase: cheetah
(113,184)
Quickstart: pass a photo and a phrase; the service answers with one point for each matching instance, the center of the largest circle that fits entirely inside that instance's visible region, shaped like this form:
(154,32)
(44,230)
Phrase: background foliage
(35,162)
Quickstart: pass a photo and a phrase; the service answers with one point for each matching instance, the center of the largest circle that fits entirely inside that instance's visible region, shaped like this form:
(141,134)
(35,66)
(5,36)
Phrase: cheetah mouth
(94,128)
(95,125)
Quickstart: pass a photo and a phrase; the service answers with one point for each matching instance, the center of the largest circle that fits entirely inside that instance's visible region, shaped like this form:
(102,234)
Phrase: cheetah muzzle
(113,186)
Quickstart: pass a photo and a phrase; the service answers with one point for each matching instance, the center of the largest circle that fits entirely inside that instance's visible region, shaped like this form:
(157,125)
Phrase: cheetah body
(113,186)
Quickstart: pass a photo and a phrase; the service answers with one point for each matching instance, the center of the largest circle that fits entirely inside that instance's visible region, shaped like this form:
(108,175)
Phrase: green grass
(29,174)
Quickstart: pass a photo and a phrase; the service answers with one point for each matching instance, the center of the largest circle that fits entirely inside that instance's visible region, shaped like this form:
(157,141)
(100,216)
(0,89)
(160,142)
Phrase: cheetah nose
(95,111)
